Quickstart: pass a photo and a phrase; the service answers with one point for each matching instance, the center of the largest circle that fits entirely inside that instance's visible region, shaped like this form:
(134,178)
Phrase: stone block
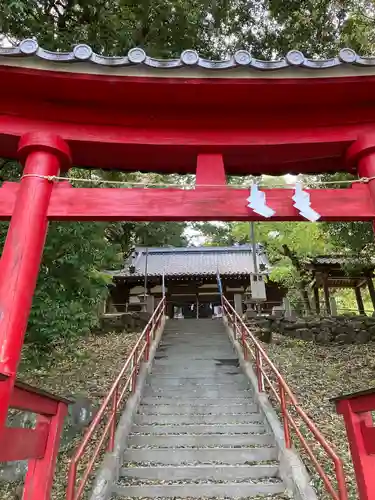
(304,334)
(362,337)
(323,337)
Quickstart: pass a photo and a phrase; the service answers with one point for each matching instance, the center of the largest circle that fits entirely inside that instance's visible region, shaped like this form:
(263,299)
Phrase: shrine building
(332,272)
(188,277)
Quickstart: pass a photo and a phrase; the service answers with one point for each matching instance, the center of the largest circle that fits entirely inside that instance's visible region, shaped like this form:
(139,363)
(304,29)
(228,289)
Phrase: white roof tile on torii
(193,261)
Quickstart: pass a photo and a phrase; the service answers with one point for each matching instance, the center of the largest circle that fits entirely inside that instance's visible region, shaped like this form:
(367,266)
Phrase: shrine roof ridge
(341,259)
(192,261)
(198,249)
(188,58)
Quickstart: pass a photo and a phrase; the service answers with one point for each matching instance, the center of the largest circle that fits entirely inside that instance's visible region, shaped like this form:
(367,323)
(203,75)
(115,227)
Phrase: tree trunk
(303,284)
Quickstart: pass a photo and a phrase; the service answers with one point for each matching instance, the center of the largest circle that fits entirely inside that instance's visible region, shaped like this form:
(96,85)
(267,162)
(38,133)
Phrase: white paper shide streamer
(302,203)
(257,202)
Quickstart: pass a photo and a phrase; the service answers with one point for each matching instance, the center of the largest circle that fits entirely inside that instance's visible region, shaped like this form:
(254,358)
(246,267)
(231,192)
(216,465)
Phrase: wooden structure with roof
(340,271)
(189,275)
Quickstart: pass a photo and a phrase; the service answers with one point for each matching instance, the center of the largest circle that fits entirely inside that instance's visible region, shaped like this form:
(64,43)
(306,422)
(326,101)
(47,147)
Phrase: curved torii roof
(140,113)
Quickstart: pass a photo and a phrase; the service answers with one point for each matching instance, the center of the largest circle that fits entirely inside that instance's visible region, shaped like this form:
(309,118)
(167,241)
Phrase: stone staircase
(198,432)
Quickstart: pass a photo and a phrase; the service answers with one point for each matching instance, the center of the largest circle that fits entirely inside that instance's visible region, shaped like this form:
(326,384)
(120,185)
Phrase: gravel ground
(317,373)
(89,370)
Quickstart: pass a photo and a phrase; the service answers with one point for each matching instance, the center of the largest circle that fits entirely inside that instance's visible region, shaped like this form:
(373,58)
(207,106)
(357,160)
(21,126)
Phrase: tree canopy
(269,28)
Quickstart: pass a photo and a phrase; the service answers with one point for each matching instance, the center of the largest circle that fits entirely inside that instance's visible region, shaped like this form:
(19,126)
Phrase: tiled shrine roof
(193,261)
(137,56)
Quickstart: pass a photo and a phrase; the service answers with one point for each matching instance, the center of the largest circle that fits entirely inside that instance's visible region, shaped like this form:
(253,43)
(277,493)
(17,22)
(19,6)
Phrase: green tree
(268,28)
(71,283)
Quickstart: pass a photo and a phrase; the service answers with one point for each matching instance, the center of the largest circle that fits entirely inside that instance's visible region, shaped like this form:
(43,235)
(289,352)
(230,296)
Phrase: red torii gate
(187,115)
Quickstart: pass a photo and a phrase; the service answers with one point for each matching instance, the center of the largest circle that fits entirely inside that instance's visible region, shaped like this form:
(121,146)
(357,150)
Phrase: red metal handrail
(113,402)
(286,398)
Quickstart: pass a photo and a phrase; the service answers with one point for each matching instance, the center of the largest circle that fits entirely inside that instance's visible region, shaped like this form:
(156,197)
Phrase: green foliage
(70,283)
(164,28)
(354,238)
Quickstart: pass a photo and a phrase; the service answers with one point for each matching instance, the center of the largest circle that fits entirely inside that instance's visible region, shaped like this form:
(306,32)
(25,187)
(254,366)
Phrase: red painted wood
(21,257)
(167,92)
(368,433)
(39,477)
(174,148)
(169,121)
(23,444)
(23,399)
(210,170)
(362,155)
(201,204)
(364,463)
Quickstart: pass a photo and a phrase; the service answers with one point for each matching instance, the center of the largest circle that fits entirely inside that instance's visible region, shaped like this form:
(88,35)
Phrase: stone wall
(123,322)
(322,330)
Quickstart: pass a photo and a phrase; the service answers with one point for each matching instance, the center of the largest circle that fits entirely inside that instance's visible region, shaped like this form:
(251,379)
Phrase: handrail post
(131,367)
(134,374)
(72,476)
(284,412)
(147,350)
(258,362)
(112,415)
(244,347)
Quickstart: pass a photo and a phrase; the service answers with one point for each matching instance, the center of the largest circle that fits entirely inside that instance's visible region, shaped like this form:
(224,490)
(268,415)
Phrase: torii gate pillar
(42,155)
(362,155)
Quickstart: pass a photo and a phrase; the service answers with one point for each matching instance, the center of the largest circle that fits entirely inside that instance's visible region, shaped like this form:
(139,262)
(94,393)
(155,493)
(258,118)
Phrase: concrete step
(209,409)
(196,440)
(219,375)
(252,428)
(213,342)
(209,338)
(199,472)
(175,456)
(198,392)
(194,382)
(234,401)
(245,418)
(209,335)
(195,369)
(180,357)
(220,490)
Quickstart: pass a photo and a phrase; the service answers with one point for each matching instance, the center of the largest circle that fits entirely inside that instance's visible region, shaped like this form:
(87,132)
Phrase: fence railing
(111,406)
(287,401)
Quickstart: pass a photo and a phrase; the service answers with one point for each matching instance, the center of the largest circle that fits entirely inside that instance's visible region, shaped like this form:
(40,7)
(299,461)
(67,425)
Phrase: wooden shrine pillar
(326,295)
(371,289)
(238,304)
(316,299)
(42,154)
(358,296)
